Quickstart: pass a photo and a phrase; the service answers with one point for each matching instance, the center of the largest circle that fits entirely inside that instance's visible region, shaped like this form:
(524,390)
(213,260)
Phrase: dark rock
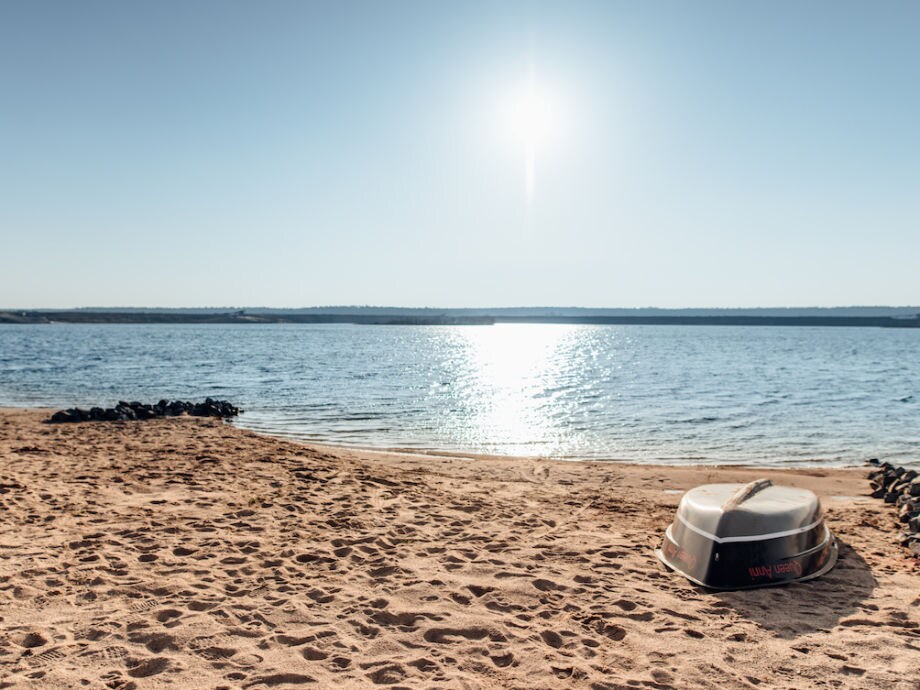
(176,408)
(124,411)
(914,488)
(891,497)
(907,512)
(886,477)
(872,461)
(914,524)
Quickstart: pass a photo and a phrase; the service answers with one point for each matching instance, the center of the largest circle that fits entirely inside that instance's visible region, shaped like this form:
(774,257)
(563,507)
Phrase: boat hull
(745,564)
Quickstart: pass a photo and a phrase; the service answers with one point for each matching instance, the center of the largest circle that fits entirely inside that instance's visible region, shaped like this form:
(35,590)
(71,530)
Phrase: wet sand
(188,553)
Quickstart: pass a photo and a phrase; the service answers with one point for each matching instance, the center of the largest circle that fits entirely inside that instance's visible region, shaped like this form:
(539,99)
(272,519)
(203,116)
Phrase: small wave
(357,417)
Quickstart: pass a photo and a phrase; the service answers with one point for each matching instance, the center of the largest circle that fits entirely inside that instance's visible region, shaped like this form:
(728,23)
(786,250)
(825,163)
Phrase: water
(669,394)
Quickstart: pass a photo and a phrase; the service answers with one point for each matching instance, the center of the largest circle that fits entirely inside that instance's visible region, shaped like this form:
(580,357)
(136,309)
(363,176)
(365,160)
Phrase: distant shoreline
(449,318)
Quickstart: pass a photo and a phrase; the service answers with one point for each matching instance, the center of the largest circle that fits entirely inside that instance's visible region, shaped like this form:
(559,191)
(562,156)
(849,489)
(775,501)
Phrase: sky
(447,154)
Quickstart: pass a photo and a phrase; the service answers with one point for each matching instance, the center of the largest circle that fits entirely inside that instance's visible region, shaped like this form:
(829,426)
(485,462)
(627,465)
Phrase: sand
(188,553)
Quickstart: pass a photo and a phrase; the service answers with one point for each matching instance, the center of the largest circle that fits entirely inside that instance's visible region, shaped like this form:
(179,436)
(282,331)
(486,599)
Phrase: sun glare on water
(530,120)
(512,367)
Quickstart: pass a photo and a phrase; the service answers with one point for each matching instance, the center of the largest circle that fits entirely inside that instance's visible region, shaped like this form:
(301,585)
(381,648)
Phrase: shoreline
(904,317)
(186,551)
(432,453)
(894,317)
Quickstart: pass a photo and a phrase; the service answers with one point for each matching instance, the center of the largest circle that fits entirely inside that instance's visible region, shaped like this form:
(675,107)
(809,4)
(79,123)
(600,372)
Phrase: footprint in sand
(154,642)
(403,620)
(47,658)
(167,615)
(111,653)
(387,675)
(502,660)
(281,679)
(144,605)
(149,667)
(291,641)
(448,635)
(32,640)
(546,585)
(425,665)
(614,632)
(313,654)
(553,639)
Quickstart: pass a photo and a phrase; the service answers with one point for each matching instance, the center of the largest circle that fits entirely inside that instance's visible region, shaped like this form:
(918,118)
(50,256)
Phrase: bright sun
(529,118)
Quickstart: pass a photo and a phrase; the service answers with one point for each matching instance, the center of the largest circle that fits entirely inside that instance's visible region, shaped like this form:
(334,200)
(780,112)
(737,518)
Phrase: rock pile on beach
(124,411)
(900,486)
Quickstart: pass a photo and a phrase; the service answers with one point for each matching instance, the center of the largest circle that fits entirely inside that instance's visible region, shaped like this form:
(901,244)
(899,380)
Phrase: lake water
(668,394)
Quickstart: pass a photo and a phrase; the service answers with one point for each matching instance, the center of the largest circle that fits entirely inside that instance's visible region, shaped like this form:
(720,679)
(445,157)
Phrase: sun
(530,115)
(529,119)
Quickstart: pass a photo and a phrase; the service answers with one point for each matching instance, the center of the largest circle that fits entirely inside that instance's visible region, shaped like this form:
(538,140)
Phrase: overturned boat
(737,536)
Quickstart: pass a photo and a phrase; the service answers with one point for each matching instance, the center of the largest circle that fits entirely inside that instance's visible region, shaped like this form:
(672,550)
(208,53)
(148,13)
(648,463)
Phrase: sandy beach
(188,553)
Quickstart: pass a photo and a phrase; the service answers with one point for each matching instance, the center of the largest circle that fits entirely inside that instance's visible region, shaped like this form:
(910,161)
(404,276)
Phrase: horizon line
(438,308)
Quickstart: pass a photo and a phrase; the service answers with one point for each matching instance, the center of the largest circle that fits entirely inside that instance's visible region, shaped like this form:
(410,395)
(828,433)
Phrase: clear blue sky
(310,153)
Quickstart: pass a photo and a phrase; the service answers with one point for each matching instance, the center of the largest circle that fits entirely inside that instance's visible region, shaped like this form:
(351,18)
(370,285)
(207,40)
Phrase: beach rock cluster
(124,411)
(901,487)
